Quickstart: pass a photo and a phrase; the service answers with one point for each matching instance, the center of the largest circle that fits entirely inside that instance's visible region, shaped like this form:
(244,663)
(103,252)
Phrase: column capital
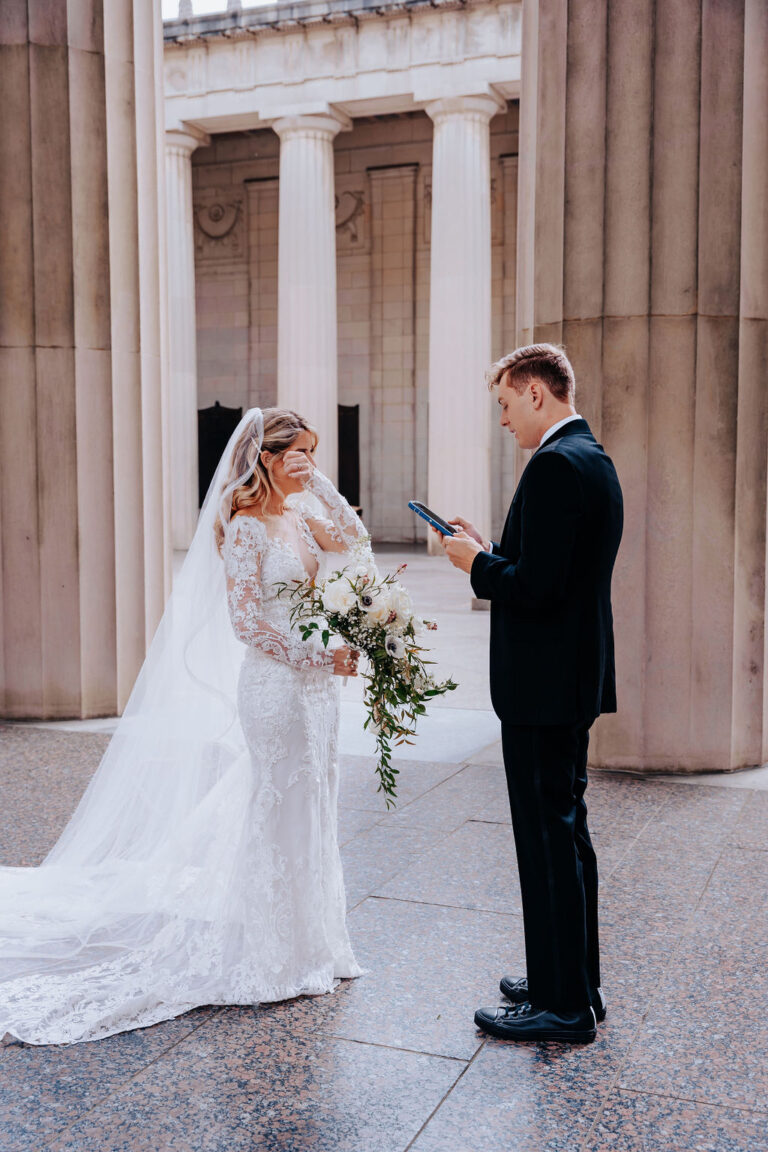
(482,107)
(325,125)
(186,139)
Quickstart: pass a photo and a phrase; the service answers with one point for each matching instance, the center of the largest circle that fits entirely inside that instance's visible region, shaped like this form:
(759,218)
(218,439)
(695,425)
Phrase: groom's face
(520,412)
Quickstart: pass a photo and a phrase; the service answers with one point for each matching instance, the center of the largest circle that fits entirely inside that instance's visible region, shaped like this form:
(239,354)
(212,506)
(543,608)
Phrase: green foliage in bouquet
(373,614)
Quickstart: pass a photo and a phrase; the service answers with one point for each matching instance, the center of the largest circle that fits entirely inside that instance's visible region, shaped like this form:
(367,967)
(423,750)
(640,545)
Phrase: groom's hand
(461,549)
(470,530)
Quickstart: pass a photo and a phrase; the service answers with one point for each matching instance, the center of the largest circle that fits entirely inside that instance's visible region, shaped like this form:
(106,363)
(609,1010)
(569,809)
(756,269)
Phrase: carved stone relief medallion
(351,230)
(219,225)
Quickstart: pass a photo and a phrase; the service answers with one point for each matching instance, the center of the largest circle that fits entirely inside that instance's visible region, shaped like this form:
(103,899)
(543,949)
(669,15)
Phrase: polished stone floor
(392,1061)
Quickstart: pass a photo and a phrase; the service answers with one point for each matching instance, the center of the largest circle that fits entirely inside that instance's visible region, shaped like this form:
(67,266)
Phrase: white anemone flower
(395,646)
(376,606)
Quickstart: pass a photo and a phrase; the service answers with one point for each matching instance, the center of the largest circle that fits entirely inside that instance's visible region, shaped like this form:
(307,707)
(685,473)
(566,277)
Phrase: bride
(202,864)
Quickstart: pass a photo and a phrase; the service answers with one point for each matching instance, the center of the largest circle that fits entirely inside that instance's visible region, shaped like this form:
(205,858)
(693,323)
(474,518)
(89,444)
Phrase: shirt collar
(555,427)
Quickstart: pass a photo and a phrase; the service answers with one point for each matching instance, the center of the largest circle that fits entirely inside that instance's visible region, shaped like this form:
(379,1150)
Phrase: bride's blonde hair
(281,428)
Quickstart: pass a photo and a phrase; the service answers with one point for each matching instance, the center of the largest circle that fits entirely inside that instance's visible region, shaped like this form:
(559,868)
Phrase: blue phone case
(425,516)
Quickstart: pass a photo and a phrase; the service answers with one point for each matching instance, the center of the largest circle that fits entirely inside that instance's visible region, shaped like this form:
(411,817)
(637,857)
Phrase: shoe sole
(541,1034)
(599,1012)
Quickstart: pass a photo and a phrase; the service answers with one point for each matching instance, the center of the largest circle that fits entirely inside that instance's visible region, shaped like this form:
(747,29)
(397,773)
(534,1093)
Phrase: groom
(552,674)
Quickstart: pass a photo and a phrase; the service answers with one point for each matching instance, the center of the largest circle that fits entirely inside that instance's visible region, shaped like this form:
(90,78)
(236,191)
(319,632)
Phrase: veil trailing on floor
(131,910)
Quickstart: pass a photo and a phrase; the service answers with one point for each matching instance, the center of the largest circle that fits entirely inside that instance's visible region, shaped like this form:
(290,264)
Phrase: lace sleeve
(342,530)
(242,564)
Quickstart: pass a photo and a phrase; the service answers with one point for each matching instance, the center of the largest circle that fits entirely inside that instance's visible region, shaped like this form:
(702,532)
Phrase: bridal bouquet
(373,614)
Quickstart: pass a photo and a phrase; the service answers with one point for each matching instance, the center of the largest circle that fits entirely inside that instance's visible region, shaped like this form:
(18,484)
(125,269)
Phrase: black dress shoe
(517,992)
(524,1022)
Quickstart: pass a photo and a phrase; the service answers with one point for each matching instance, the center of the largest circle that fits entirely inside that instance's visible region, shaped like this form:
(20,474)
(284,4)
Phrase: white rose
(401,603)
(337,596)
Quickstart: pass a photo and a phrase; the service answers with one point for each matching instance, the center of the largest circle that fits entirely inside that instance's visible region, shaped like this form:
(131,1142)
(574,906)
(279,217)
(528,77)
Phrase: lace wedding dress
(199,870)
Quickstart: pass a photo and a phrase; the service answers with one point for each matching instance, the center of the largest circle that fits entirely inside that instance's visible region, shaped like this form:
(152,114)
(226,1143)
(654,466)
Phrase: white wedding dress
(202,865)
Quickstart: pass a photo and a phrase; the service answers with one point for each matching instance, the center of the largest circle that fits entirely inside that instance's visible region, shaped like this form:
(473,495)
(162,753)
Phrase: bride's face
(291,469)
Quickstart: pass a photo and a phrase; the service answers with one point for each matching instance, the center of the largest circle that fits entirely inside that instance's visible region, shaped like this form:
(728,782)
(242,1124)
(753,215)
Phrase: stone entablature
(244,70)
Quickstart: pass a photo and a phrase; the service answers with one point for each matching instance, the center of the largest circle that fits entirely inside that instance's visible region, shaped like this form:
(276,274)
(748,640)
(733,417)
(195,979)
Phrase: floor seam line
(394,1047)
(430,904)
(440,1103)
(750,1109)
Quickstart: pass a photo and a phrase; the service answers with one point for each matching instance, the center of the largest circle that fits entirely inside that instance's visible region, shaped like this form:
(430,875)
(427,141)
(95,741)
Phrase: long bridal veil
(131,910)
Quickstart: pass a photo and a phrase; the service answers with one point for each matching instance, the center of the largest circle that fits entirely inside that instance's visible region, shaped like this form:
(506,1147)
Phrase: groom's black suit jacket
(549,583)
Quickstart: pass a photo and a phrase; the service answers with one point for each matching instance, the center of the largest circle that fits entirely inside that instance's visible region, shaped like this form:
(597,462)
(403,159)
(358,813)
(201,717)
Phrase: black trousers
(547,776)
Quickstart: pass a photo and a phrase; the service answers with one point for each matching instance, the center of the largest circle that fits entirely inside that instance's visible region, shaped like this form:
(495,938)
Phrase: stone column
(80,363)
(182,341)
(643,242)
(307,369)
(459,446)
(750,682)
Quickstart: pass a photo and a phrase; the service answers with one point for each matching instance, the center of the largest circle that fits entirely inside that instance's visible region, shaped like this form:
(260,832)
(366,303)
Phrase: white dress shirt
(551,431)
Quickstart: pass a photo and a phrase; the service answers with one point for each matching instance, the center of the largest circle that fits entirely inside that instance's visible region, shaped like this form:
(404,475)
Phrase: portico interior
(383,188)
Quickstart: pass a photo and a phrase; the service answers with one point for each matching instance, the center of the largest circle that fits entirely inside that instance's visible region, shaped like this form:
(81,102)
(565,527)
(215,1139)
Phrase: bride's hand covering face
(292,469)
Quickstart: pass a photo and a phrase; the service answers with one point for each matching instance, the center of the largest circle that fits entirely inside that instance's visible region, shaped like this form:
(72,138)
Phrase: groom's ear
(537,393)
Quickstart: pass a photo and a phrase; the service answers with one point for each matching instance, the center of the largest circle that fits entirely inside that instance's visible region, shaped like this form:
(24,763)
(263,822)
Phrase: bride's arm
(242,561)
(341,530)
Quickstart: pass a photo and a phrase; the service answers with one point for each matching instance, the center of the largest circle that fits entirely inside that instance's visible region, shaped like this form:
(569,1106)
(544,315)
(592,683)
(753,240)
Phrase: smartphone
(432,518)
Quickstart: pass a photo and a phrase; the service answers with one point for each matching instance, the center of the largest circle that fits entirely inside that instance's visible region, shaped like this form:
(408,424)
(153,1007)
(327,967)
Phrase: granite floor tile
(380,853)
(473,867)
(359,782)
(385,990)
(491,755)
(620,807)
(44,1089)
(476,867)
(244,1084)
(630,985)
(43,774)
(646,902)
(427,970)
(477,792)
(680,1062)
(734,907)
(525,1098)
(705,1037)
(353,821)
(631,1122)
(692,816)
(751,829)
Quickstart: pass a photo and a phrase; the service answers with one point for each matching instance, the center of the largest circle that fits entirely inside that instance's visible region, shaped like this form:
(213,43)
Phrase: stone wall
(383,187)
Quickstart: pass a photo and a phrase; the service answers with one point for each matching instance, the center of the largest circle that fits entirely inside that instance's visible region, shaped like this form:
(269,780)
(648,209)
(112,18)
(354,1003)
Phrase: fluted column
(182,340)
(644,154)
(81,367)
(307,371)
(459,470)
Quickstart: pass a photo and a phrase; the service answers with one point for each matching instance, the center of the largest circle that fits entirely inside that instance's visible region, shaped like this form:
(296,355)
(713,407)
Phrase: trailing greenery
(374,615)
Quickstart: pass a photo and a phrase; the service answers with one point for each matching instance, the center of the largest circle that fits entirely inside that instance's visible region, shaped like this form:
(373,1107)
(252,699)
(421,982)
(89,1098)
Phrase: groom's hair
(545,362)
